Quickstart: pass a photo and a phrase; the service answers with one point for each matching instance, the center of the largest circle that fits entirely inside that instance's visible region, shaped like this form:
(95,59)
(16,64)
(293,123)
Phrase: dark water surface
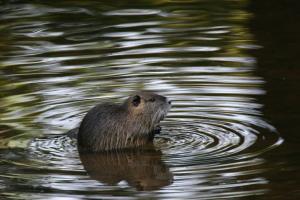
(231,67)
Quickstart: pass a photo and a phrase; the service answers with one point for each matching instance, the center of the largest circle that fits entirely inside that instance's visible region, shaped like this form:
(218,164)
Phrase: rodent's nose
(170,102)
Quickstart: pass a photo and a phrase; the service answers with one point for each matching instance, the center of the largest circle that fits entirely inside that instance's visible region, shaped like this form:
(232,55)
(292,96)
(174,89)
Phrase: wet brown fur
(110,126)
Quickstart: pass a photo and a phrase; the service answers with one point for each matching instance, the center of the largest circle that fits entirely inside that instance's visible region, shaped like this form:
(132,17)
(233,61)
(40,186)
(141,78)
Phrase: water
(232,130)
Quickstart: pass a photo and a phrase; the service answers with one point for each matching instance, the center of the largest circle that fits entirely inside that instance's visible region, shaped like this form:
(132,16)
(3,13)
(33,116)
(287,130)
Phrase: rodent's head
(149,106)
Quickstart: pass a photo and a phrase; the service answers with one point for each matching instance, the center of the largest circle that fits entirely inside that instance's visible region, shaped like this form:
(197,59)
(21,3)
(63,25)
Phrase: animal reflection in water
(142,169)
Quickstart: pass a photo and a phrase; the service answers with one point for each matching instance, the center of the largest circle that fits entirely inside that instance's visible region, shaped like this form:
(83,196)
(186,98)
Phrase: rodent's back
(97,124)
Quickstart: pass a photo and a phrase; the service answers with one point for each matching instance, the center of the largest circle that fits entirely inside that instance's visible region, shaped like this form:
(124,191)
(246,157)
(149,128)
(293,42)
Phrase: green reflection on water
(58,59)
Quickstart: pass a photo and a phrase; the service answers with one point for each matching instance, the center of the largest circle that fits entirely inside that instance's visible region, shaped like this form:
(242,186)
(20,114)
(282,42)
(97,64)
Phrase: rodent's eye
(152,99)
(136,100)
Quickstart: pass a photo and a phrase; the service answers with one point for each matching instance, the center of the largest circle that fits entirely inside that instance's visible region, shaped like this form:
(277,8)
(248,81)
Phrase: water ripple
(133,12)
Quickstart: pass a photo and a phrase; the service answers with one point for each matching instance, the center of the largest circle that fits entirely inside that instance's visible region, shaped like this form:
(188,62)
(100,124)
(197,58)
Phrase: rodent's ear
(136,100)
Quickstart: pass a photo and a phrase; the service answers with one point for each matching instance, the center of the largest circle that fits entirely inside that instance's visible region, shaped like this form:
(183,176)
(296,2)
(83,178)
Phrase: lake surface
(230,67)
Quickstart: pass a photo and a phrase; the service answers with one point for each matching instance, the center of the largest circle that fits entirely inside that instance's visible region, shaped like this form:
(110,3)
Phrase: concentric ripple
(213,141)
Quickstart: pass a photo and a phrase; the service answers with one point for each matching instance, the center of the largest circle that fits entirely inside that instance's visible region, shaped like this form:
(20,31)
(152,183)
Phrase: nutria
(134,123)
